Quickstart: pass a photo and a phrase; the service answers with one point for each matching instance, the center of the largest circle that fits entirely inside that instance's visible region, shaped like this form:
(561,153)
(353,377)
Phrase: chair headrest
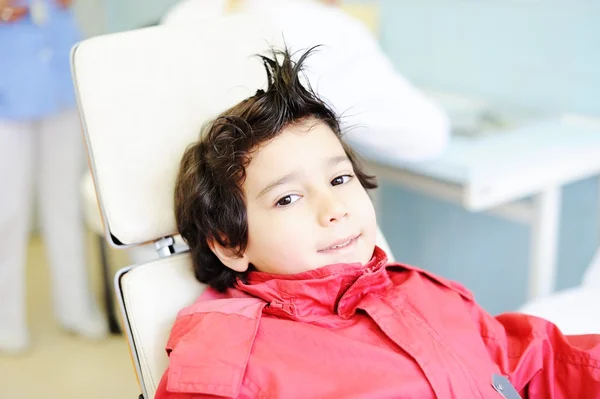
(144,96)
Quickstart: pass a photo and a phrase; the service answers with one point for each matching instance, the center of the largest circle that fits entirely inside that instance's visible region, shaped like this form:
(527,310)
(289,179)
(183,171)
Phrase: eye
(341,180)
(287,200)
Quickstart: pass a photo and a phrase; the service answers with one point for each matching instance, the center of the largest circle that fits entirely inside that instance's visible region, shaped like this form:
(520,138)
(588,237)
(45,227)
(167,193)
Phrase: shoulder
(218,310)
(431,278)
(210,344)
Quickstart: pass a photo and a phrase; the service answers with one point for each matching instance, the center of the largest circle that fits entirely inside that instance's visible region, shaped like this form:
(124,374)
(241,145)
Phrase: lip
(350,240)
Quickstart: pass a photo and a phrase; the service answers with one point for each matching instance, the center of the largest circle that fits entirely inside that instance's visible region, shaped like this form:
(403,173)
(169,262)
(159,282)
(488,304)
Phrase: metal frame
(542,214)
(127,329)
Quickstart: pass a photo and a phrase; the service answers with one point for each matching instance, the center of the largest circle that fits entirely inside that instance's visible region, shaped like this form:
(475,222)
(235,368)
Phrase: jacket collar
(311,296)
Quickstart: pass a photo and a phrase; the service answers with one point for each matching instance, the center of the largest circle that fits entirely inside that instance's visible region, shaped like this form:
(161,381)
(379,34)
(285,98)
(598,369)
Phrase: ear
(229,257)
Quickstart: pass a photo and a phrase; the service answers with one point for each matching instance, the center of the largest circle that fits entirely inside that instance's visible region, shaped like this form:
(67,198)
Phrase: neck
(330,290)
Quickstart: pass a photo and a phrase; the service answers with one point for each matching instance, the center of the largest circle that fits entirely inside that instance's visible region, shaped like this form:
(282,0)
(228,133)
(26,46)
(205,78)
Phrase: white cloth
(382,109)
(43,159)
(574,310)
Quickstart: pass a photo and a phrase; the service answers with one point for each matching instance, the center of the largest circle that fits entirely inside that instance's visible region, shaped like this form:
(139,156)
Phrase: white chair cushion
(152,294)
(144,96)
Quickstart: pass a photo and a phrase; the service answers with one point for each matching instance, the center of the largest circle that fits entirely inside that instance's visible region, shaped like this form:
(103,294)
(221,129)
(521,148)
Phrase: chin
(346,259)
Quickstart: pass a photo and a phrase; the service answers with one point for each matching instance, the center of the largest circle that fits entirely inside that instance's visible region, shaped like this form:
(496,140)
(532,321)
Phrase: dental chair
(143,97)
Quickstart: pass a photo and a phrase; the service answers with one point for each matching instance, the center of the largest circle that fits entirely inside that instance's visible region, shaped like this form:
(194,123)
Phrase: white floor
(60,365)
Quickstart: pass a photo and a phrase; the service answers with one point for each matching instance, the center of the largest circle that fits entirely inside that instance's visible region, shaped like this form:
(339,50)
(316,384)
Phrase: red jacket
(374,331)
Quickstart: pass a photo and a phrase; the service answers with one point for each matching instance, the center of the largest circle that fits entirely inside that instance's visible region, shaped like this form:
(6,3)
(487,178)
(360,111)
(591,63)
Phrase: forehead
(297,145)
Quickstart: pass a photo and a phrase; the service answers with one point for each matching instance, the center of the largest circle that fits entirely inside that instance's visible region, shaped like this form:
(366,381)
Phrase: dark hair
(209,200)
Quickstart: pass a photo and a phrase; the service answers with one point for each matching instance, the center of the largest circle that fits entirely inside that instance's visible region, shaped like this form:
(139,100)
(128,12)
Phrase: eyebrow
(337,160)
(294,175)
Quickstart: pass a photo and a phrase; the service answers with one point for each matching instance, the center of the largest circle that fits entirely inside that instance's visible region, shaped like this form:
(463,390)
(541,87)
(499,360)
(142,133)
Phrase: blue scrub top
(35,75)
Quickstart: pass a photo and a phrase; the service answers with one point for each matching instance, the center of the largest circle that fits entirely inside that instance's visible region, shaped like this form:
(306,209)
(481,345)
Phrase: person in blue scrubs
(41,159)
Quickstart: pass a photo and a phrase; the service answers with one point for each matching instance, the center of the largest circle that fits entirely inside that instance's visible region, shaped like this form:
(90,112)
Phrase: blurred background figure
(381,110)
(41,156)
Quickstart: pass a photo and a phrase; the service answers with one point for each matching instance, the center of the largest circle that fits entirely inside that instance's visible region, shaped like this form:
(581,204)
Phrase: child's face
(306,209)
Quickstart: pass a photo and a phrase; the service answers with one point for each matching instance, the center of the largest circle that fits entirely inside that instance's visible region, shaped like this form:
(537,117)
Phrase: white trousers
(43,160)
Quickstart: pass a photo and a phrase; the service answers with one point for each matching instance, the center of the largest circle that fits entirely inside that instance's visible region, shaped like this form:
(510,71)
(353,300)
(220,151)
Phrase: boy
(302,304)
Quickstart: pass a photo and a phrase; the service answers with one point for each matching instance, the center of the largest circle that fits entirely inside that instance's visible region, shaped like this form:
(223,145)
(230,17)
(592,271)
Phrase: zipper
(503,386)
(288,308)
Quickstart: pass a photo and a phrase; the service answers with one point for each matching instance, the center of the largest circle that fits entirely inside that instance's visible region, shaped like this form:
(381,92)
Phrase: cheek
(276,237)
(364,212)
(363,207)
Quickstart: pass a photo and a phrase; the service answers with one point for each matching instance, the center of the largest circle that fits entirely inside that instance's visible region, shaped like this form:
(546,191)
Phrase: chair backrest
(143,96)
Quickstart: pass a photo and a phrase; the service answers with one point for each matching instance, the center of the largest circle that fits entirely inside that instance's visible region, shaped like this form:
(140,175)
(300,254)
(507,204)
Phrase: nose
(332,209)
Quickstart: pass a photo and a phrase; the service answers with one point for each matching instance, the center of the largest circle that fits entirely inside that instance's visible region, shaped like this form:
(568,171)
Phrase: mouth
(340,244)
